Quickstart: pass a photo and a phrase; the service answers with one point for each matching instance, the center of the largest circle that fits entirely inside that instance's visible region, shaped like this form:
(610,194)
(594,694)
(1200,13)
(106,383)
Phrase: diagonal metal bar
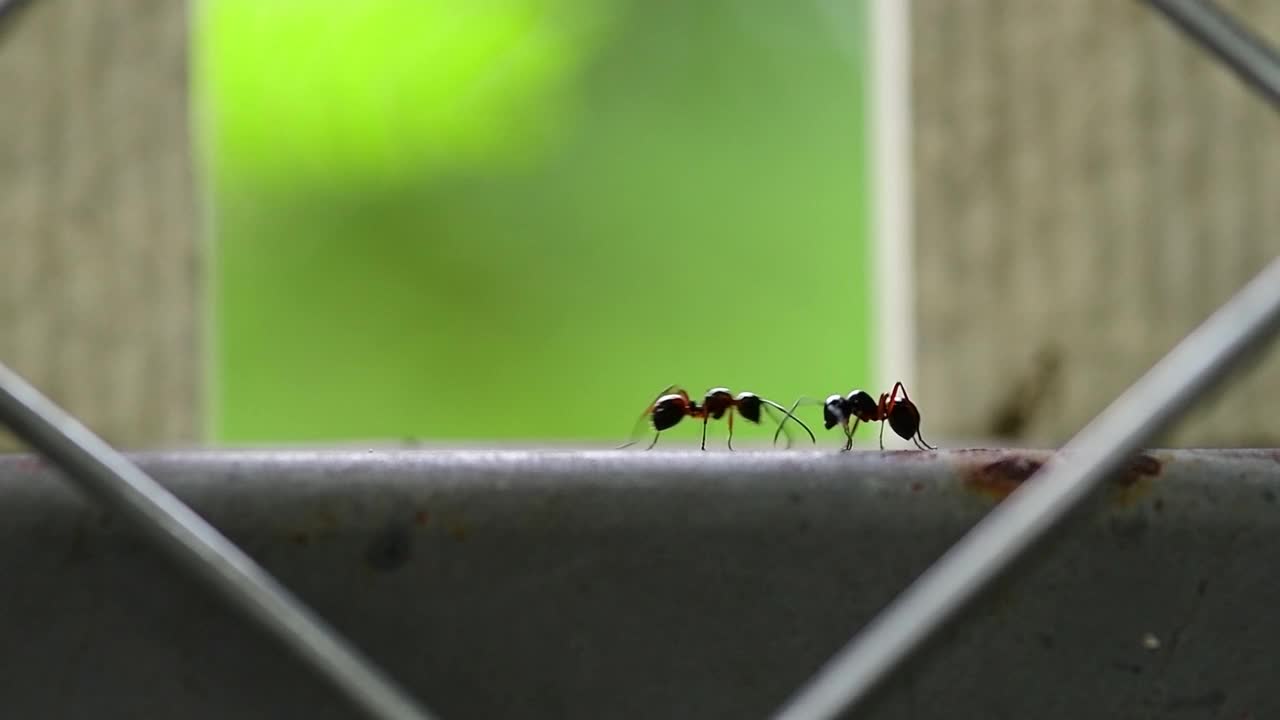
(198,547)
(1204,358)
(1248,55)
(7,6)
(1030,513)
(9,11)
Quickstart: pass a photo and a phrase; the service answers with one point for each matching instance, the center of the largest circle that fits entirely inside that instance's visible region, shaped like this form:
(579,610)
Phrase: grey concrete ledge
(673,584)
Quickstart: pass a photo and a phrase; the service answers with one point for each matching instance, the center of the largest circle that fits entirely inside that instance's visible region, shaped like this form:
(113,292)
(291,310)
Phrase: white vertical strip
(890,179)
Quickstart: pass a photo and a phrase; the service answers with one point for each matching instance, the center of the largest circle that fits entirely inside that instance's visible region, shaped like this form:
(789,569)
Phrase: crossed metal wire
(1238,329)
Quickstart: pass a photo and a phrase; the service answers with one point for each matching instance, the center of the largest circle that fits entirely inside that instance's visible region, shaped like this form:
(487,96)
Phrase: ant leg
(886,408)
(883,408)
(655,440)
(885,405)
(730,414)
(848,443)
(919,440)
(893,398)
(705,418)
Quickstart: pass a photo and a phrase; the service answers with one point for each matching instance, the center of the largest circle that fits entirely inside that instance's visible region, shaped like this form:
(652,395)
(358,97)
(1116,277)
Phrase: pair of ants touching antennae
(674,404)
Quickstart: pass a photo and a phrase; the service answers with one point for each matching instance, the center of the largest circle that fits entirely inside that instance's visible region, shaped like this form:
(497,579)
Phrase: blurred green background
(520,219)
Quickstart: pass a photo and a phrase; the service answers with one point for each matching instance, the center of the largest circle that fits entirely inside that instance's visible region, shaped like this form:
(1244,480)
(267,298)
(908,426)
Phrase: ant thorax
(861,405)
(717,402)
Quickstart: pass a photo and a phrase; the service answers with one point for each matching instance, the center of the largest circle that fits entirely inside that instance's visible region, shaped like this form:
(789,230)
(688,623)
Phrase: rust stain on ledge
(998,479)
(1135,481)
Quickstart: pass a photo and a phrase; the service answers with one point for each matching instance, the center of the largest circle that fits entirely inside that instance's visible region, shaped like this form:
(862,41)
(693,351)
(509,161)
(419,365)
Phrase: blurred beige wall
(98,277)
(1089,185)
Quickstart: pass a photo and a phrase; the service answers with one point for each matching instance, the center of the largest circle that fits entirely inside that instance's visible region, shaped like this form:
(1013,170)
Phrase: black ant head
(749,406)
(904,418)
(669,410)
(833,412)
(717,401)
(861,405)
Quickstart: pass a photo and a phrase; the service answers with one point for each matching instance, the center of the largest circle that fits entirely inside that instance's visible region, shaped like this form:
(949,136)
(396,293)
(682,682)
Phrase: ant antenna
(791,416)
(782,423)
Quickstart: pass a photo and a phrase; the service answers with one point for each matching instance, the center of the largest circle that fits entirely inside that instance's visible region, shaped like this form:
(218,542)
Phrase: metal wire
(9,11)
(1031,512)
(1248,55)
(1240,327)
(198,547)
(7,6)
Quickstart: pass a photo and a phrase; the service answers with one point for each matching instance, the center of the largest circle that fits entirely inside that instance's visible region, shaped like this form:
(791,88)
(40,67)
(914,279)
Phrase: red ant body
(901,413)
(674,404)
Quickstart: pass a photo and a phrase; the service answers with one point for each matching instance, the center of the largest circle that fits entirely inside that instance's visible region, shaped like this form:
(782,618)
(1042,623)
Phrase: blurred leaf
(329,92)
(702,220)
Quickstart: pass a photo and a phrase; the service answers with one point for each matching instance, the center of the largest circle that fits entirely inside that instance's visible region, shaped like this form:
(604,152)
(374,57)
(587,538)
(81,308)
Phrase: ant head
(833,412)
(717,401)
(749,405)
(669,410)
(904,418)
(861,405)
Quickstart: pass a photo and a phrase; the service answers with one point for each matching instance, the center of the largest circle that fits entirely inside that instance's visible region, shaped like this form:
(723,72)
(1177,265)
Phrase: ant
(901,413)
(674,404)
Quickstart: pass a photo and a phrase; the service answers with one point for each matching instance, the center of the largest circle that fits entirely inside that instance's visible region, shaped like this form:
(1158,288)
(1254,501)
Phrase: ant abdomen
(904,418)
(668,411)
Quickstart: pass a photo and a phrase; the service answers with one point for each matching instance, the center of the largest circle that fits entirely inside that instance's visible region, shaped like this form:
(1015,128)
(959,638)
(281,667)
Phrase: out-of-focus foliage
(329,91)
(674,193)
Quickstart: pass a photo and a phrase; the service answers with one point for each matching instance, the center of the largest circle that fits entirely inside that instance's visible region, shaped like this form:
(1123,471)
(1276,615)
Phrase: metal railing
(1242,326)
(198,547)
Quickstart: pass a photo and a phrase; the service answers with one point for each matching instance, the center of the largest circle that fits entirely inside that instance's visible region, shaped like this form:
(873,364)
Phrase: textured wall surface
(1089,186)
(98,261)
